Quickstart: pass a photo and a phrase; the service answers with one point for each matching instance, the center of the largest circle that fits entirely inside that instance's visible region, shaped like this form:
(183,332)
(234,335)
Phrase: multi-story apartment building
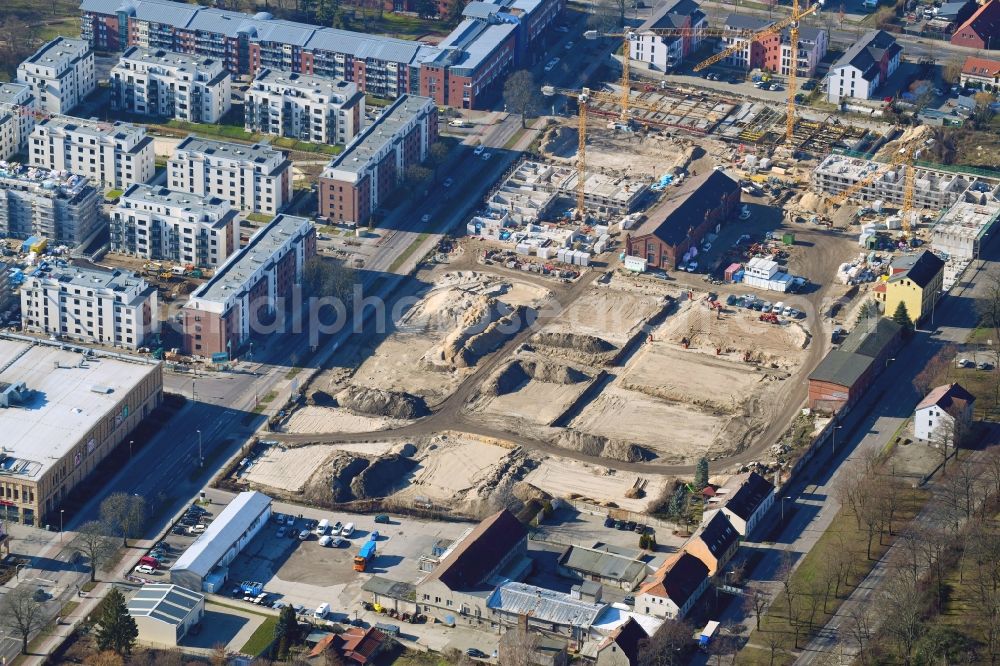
(465,71)
(160,224)
(34,202)
(61,418)
(774,52)
(156,82)
(864,67)
(664,52)
(309,108)
(243,297)
(17,118)
(254,178)
(113,308)
(354,183)
(110,154)
(61,73)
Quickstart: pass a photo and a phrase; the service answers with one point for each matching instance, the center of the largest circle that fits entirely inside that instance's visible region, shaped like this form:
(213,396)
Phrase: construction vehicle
(769,317)
(365,556)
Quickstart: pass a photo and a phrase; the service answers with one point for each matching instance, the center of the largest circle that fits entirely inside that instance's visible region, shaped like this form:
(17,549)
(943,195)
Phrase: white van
(348,531)
(321,611)
(778,307)
(325,540)
(323,526)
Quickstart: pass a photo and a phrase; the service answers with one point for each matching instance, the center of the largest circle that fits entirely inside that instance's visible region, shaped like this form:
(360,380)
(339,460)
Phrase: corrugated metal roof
(543,605)
(222,533)
(165,602)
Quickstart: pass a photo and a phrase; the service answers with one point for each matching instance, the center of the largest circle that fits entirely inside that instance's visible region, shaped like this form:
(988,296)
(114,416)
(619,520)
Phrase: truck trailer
(364,556)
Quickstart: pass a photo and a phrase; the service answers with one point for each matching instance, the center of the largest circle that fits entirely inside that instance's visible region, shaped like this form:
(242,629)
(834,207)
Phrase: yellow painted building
(915,280)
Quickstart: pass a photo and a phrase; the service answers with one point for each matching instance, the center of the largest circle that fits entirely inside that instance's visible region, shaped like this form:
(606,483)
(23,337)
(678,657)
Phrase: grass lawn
(260,218)
(776,628)
(237,133)
(261,638)
(401,26)
(113,194)
(67,27)
(401,259)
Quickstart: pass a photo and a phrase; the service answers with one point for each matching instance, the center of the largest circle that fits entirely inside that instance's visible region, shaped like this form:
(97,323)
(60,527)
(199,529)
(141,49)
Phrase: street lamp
(130,443)
(834,440)
(61,512)
(888,361)
(200,457)
(783,509)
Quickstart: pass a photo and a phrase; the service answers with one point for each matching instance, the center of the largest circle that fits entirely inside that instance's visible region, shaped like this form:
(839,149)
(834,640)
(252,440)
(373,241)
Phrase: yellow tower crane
(584,97)
(904,157)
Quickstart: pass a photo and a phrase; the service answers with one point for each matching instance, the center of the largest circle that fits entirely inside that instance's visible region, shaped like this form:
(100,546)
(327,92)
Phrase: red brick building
(250,290)
(982,30)
(678,224)
(357,180)
(845,374)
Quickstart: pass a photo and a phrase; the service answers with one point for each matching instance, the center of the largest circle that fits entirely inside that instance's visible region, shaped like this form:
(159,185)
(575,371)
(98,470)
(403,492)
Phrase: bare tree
(755,602)
(668,646)
(902,613)
(125,514)
(860,628)
(517,647)
(784,576)
(93,540)
(991,468)
(21,613)
(988,308)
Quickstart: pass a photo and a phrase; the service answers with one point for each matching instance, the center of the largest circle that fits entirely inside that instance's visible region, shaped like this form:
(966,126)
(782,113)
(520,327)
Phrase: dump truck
(364,556)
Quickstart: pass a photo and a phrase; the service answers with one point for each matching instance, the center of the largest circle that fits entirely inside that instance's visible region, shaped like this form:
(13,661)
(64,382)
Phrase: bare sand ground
(567,478)
(537,402)
(290,469)
(611,312)
(312,418)
(452,468)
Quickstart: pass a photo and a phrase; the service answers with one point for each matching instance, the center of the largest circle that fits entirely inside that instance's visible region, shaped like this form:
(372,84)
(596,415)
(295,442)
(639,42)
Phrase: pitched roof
(922,270)
(949,397)
(751,491)
(628,638)
(841,368)
(981,67)
(544,605)
(202,556)
(985,22)
(164,602)
(718,535)
(870,338)
(596,562)
(480,552)
(360,645)
(672,219)
(677,579)
(866,54)
(673,14)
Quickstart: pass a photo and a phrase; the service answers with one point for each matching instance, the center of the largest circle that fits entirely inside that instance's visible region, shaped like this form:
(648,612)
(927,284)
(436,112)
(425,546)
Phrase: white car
(487,156)
(425,218)
(145,569)
(448,182)
(348,531)
(479,149)
(550,65)
(325,541)
(965,363)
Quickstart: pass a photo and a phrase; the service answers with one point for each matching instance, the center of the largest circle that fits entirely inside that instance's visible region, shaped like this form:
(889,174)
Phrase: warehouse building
(61,74)
(359,179)
(17,118)
(62,411)
(603,565)
(548,612)
(205,564)
(111,154)
(165,225)
(165,613)
(114,308)
(155,82)
(315,109)
(845,374)
(251,288)
(673,230)
(256,178)
(37,202)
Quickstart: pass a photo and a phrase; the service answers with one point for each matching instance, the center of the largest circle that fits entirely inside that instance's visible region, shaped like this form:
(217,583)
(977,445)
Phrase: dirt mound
(482,330)
(382,476)
(513,376)
(321,399)
(598,446)
(344,468)
(377,402)
(510,379)
(588,344)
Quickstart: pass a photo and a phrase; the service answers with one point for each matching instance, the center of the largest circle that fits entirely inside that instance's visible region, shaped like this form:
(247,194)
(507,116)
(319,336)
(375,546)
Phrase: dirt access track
(451,414)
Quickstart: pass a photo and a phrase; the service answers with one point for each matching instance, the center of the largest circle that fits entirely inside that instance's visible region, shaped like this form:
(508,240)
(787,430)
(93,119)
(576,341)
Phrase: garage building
(164,613)
(205,564)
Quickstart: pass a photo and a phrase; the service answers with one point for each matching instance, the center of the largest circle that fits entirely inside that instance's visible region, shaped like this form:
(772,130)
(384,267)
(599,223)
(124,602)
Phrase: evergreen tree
(701,474)
(118,630)
(286,632)
(902,317)
(676,507)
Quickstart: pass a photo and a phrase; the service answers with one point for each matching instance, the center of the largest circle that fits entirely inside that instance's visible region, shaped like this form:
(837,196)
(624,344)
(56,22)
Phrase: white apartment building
(774,52)
(111,154)
(864,67)
(165,225)
(17,118)
(61,73)
(254,178)
(664,52)
(112,308)
(155,82)
(309,108)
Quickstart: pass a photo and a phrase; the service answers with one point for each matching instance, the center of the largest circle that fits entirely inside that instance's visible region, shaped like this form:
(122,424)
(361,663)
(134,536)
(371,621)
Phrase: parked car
(348,531)
(983,365)
(425,218)
(337,527)
(280,533)
(325,541)
(337,542)
(609,522)
(479,149)
(476,653)
(382,518)
(550,65)
(304,535)
(965,363)
(145,569)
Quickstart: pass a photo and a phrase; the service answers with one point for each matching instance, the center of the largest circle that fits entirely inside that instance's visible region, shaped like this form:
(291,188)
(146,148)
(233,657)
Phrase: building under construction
(55,205)
(961,230)
(933,189)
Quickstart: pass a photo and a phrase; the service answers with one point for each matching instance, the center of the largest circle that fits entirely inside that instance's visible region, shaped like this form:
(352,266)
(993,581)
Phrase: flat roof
(206,551)
(258,153)
(971,216)
(71,393)
(13,93)
(180,61)
(232,277)
(323,85)
(58,49)
(155,195)
(472,43)
(355,157)
(95,128)
(94,278)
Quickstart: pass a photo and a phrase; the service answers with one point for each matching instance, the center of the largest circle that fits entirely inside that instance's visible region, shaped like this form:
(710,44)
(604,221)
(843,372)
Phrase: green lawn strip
(237,133)
(260,218)
(842,534)
(262,637)
(401,259)
(113,194)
